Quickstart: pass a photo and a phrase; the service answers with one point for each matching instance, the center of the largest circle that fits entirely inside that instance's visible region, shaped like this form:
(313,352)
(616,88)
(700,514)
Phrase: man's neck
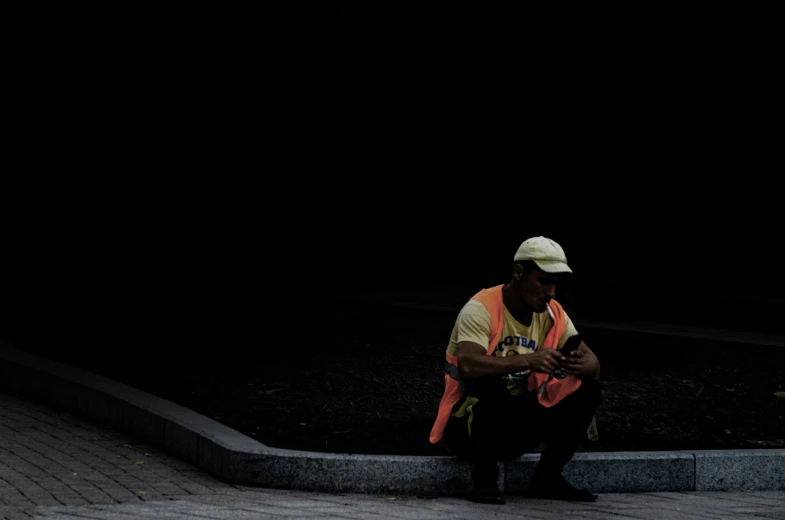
(522,314)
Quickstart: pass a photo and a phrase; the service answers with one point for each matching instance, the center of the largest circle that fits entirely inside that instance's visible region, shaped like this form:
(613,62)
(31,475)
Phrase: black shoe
(486,494)
(558,488)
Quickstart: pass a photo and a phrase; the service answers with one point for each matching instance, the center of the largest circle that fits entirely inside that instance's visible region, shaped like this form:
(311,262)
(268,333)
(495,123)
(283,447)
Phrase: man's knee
(595,391)
(589,394)
(595,388)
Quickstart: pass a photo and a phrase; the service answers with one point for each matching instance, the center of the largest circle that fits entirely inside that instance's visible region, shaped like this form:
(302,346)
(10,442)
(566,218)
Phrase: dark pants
(505,427)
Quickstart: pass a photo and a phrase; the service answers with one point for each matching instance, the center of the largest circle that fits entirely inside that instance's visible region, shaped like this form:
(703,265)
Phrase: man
(508,385)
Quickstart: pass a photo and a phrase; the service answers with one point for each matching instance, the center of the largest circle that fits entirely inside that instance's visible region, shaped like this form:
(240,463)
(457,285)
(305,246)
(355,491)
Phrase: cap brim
(553,266)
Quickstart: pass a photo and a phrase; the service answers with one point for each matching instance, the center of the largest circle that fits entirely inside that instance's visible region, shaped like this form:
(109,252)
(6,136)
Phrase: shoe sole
(491,501)
(550,497)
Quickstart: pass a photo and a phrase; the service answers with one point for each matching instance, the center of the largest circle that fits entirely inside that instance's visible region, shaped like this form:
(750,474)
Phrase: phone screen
(573,342)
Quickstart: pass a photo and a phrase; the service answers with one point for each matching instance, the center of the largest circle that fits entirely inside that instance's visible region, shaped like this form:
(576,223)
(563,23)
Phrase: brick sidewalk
(57,466)
(49,458)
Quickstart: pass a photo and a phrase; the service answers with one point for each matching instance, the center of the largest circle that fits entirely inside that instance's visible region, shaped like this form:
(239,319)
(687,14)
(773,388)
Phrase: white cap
(547,254)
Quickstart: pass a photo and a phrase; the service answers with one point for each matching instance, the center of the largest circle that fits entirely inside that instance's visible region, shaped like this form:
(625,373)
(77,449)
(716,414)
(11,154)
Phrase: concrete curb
(234,457)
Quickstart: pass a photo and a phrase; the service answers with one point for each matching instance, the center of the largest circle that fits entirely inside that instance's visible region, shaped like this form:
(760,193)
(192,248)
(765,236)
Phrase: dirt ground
(351,384)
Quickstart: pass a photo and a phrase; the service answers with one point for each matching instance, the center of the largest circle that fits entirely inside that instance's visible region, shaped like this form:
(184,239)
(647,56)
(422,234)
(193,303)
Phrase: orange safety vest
(554,389)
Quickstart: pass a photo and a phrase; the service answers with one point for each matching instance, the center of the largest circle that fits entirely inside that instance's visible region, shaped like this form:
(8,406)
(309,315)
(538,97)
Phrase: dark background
(249,260)
(203,187)
(534,7)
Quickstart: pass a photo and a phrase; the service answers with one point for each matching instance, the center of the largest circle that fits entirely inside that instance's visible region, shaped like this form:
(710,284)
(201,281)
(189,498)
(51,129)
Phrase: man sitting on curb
(508,385)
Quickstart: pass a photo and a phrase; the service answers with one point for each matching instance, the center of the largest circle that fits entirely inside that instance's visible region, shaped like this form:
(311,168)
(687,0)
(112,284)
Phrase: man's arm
(473,362)
(582,362)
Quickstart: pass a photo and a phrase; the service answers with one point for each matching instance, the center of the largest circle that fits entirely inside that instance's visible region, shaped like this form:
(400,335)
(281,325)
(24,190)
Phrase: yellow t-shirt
(474,324)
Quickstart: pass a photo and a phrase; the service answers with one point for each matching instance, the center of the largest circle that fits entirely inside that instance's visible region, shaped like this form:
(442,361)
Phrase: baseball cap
(547,254)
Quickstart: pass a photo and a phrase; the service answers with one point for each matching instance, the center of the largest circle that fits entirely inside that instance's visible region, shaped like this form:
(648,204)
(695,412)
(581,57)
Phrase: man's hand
(581,362)
(546,360)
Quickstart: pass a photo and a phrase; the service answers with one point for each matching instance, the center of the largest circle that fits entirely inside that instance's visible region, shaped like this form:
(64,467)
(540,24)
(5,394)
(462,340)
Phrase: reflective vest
(552,390)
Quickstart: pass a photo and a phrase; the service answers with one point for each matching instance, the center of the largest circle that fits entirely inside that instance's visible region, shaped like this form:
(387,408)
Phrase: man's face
(537,288)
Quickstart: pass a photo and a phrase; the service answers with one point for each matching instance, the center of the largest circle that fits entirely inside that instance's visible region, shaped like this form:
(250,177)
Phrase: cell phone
(572,343)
